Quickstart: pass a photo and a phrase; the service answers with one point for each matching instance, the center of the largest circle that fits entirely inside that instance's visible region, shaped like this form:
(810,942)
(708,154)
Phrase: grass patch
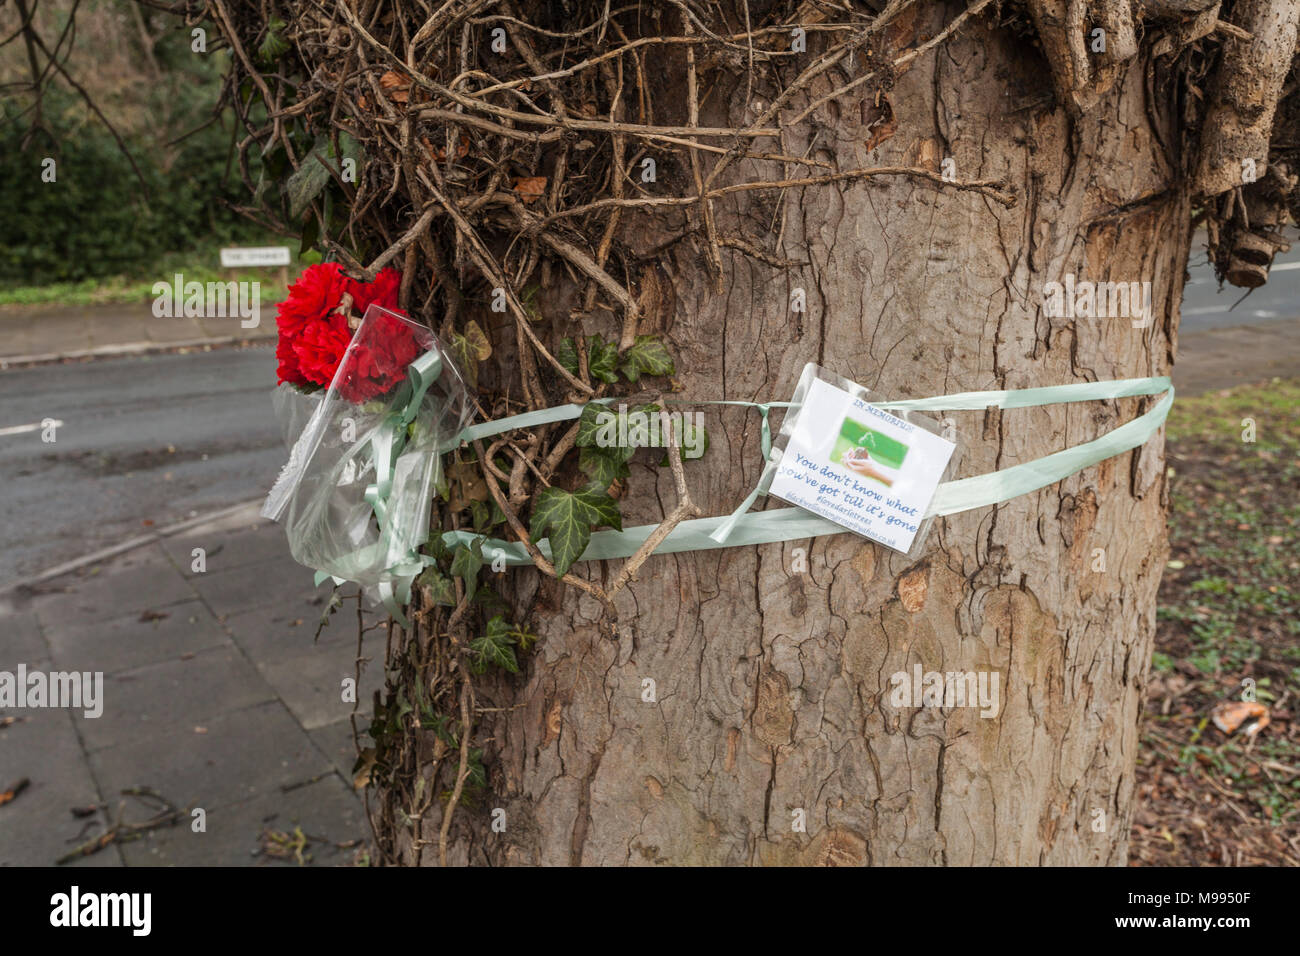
(1228,618)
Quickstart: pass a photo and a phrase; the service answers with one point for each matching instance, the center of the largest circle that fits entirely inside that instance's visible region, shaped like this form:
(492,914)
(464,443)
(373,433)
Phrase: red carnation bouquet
(368,405)
(316,327)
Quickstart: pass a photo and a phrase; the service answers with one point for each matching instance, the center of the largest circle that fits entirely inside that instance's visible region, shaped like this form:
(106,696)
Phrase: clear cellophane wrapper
(365,454)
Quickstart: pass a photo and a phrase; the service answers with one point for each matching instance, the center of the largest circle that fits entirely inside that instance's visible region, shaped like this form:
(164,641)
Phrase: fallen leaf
(364,767)
(147,616)
(530,188)
(878,120)
(13,791)
(395,86)
(554,722)
(467,485)
(439,153)
(1229,715)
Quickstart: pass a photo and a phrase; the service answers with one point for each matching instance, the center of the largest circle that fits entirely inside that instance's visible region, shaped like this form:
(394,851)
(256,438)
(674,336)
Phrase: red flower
(320,348)
(383,291)
(379,359)
(314,338)
(289,370)
(311,299)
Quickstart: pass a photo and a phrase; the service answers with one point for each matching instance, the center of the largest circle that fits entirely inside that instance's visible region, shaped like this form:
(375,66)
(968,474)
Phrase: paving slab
(335,740)
(232,326)
(145,581)
(273,632)
(310,681)
(50,331)
(227,549)
(134,640)
(283,584)
(178,329)
(63,330)
(38,826)
(148,702)
(1211,359)
(20,639)
(325,811)
(240,754)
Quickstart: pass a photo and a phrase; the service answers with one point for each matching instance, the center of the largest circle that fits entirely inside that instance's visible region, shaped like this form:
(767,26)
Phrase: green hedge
(97,219)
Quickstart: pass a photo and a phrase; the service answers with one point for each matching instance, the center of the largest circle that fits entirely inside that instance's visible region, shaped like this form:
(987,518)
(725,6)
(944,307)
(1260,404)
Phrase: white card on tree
(860,466)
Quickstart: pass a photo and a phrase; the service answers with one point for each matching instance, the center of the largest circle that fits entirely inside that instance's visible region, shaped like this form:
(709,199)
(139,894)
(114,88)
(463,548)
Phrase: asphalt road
(144,439)
(1206,307)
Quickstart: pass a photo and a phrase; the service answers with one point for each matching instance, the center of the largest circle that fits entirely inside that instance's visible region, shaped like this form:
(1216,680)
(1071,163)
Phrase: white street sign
(255,256)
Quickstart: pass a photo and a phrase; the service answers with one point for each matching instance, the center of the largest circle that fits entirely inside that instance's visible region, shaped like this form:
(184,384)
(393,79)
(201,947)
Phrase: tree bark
(771,683)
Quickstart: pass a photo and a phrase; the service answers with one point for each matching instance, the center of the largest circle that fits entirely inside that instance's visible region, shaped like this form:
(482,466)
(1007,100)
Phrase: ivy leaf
(602,359)
(273,46)
(435,547)
(352,150)
(487,598)
(567,517)
(477,340)
(481,515)
(528,299)
(477,779)
(441,587)
(465,354)
(590,423)
(308,179)
(466,562)
(567,355)
(604,465)
(599,426)
(647,356)
(496,648)
(486,515)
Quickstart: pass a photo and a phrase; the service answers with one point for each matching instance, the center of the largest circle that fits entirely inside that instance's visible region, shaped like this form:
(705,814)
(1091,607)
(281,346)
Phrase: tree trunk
(771,673)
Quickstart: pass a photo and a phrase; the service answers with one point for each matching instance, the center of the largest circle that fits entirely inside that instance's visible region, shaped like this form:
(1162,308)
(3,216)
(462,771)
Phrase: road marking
(1214,309)
(33,427)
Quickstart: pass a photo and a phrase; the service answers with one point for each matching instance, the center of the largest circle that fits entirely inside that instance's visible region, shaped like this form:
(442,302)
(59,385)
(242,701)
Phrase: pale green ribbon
(387,442)
(561,413)
(742,528)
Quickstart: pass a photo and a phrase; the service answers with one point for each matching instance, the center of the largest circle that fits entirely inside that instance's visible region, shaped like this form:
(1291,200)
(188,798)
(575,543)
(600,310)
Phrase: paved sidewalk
(214,696)
(47,332)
